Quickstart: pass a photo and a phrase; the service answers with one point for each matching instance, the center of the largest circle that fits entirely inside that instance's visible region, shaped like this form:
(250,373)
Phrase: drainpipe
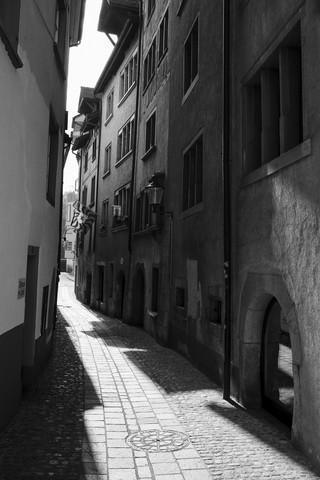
(135,140)
(226,198)
(98,176)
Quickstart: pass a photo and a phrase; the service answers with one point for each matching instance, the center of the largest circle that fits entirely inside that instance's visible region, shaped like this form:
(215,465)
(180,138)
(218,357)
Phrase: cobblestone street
(106,381)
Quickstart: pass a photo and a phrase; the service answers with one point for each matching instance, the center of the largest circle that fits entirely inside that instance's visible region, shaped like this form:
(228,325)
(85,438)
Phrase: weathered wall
(197,245)
(276,215)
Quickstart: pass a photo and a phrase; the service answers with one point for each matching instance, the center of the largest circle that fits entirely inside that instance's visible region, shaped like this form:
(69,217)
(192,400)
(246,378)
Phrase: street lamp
(155,194)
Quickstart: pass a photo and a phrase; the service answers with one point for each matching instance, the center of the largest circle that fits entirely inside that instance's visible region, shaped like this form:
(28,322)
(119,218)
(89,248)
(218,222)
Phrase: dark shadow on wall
(45,438)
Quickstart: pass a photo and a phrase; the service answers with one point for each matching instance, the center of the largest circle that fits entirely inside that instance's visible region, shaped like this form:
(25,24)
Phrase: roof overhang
(117,55)
(81,141)
(77,9)
(115,13)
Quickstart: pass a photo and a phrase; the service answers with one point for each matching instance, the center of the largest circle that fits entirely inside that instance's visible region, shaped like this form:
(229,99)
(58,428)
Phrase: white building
(35,39)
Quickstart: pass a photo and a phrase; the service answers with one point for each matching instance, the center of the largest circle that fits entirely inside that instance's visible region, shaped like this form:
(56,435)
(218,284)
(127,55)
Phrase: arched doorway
(138,298)
(276,364)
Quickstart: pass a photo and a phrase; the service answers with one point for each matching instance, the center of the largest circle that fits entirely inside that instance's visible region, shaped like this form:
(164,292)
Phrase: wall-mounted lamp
(155,193)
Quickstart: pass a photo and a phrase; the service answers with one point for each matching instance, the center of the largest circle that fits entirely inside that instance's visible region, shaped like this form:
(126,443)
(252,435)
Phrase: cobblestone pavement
(105,381)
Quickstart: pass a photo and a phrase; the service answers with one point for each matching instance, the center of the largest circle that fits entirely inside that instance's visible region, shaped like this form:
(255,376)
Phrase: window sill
(119,229)
(123,159)
(106,174)
(147,231)
(199,207)
(13,55)
(182,2)
(148,83)
(297,153)
(190,89)
(152,314)
(162,56)
(108,119)
(149,153)
(126,95)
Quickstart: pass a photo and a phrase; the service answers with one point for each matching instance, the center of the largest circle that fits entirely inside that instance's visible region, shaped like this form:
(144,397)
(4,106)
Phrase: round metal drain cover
(157,440)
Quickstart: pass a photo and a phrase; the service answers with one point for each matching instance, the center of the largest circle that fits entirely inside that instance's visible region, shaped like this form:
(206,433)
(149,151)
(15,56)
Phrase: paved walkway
(114,405)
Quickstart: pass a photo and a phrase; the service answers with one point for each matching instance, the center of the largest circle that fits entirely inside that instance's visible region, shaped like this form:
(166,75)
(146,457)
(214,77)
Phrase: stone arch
(258,290)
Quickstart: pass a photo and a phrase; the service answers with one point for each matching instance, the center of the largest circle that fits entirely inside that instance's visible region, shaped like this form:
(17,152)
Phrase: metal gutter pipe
(226,199)
(135,142)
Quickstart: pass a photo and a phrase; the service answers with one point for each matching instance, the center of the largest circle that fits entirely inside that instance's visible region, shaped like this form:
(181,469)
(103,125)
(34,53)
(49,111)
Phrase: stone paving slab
(106,381)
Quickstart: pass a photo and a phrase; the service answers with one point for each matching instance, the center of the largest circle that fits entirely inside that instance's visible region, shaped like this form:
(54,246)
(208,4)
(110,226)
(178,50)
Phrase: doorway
(30,314)
(276,364)
(88,289)
(138,298)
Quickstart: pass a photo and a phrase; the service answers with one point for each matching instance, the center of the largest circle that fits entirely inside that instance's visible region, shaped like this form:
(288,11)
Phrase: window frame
(192,179)
(128,76)
(52,159)
(150,141)
(92,191)
(163,42)
(9,29)
(149,64)
(60,35)
(125,140)
(107,160)
(109,106)
(189,78)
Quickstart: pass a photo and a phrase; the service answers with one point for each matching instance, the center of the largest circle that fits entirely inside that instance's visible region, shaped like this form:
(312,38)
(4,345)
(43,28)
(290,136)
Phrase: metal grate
(158,440)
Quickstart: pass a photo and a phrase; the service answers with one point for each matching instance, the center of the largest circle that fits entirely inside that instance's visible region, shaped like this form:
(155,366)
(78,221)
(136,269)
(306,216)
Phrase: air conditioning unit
(116,210)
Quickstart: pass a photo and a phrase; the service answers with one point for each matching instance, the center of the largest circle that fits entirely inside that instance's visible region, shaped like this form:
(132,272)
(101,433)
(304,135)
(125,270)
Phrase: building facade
(222,266)
(86,129)
(275,95)
(35,40)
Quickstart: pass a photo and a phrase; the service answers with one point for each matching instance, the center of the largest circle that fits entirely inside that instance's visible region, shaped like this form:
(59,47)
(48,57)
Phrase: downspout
(135,140)
(226,199)
(98,172)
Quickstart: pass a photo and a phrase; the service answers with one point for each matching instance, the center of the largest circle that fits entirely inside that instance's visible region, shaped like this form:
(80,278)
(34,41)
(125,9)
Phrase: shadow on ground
(192,395)
(44,440)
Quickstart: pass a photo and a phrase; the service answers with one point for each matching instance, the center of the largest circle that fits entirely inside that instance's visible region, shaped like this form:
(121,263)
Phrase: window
(128,76)
(214,309)
(145,218)
(68,213)
(107,159)
(110,280)
(104,215)
(149,65)
(180,300)
(93,191)
(125,139)
(272,101)
(94,149)
(191,54)
(151,5)
(60,31)
(192,175)
(155,289)
(84,195)
(52,160)
(86,161)
(163,36)
(109,106)
(151,132)
(101,283)
(44,309)
(9,29)
(122,199)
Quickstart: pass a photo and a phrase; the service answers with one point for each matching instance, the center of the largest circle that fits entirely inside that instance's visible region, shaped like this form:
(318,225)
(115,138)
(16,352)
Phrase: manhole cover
(158,440)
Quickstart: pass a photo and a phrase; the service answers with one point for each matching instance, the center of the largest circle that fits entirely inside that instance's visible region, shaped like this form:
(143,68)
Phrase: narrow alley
(114,405)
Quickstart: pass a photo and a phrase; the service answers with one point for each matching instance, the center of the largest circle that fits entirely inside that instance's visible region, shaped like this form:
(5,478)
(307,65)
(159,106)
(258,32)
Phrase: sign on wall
(21,288)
